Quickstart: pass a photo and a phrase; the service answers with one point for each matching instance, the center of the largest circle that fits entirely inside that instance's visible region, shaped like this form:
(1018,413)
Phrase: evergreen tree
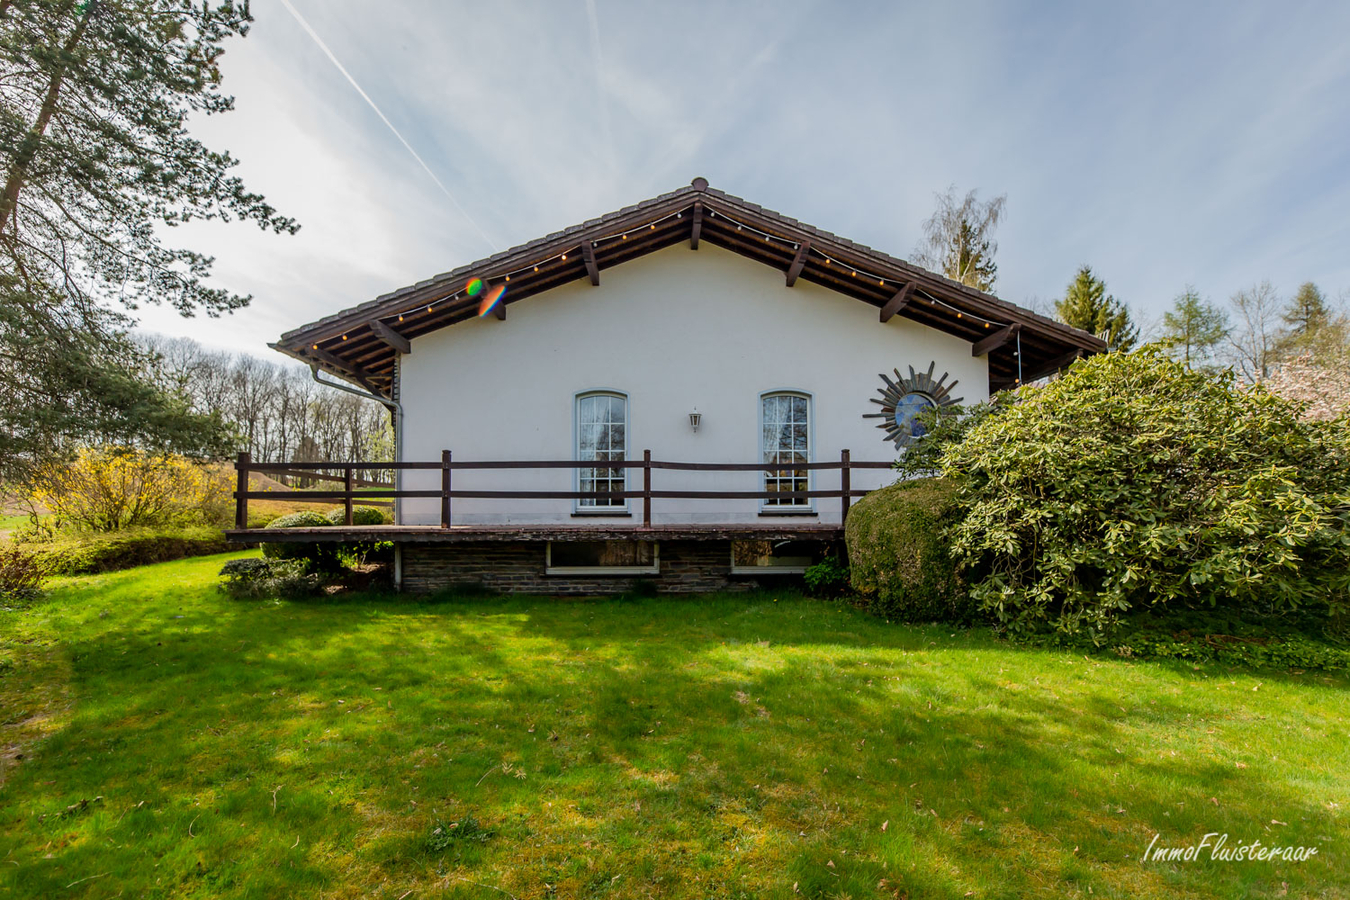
(1307,310)
(1193,328)
(958,239)
(95,158)
(1312,327)
(1086,305)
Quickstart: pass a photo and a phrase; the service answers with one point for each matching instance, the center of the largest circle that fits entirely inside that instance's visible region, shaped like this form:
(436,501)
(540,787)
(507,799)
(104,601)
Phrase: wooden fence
(355,490)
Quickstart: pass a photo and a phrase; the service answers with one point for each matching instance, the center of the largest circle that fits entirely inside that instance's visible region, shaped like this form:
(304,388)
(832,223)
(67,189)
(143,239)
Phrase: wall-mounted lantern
(694,418)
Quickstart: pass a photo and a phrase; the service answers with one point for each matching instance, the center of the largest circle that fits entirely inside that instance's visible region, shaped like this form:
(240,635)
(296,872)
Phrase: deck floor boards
(436,534)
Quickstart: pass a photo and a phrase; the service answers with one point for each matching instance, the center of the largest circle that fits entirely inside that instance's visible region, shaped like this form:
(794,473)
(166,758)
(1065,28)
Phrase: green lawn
(177,743)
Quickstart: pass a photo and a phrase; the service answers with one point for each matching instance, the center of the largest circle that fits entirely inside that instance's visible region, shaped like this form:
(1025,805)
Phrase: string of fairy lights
(475,286)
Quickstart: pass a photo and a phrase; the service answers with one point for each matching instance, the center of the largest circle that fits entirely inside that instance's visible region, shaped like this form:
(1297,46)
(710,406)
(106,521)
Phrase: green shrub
(319,556)
(898,557)
(945,426)
(90,554)
(1226,636)
(265,579)
(827,578)
(1133,482)
(303,519)
(355,553)
(21,575)
(361,515)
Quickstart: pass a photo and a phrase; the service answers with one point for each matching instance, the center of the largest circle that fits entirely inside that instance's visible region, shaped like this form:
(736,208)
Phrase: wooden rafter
(898,302)
(995,340)
(370,355)
(390,336)
(588,256)
(798,262)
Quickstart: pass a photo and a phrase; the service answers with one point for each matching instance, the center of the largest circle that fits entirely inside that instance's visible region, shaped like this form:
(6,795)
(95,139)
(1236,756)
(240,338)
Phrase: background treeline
(275,411)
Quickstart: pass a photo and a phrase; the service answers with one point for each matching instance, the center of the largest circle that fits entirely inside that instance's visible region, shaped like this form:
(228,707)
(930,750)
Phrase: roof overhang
(361,344)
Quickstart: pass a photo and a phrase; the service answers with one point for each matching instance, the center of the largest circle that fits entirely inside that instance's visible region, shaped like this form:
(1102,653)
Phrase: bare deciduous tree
(277,411)
(1254,340)
(959,239)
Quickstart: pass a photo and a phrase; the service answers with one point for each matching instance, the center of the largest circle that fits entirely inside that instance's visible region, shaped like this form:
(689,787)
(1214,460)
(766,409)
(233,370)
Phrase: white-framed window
(602,435)
(602,558)
(785,439)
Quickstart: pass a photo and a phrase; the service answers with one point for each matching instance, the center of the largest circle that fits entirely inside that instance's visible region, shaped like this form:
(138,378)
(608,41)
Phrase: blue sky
(1165,144)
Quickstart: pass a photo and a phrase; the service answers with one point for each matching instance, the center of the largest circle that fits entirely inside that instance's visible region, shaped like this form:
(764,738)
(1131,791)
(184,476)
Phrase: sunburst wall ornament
(904,398)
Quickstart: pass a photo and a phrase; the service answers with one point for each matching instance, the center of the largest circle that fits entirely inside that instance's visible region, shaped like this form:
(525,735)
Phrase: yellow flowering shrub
(109,489)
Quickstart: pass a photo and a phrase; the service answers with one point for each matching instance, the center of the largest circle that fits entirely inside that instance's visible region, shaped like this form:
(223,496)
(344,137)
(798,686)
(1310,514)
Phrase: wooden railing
(355,490)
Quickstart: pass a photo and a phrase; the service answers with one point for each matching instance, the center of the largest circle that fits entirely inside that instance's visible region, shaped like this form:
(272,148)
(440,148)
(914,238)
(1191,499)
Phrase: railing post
(646,489)
(241,490)
(845,484)
(348,485)
(445,488)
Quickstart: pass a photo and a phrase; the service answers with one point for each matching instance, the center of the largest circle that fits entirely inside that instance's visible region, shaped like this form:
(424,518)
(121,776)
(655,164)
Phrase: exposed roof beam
(1055,365)
(355,372)
(898,302)
(798,262)
(499,310)
(995,340)
(390,336)
(588,256)
(698,225)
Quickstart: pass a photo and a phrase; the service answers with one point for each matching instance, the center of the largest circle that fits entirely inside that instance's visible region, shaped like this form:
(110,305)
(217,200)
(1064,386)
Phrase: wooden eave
(361,344)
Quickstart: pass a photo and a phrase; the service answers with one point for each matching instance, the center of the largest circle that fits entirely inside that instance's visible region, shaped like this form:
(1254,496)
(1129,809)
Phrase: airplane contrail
(385,119)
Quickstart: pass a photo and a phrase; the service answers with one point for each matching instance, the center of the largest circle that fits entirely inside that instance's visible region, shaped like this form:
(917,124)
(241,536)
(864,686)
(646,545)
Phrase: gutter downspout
(398,456)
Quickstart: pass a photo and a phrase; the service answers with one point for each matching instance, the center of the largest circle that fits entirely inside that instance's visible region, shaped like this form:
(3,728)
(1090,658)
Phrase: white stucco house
(691,390)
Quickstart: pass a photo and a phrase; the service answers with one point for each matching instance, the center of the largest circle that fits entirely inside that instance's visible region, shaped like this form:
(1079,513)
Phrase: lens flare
(491,299)
(474,287)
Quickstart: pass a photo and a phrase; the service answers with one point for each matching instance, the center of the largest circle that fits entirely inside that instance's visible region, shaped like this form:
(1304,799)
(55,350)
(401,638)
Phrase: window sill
(602,570)
(772,514)
(602,514)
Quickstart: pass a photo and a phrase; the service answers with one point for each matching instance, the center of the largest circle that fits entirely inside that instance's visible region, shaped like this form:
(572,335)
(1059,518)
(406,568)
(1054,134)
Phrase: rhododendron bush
(1134,482)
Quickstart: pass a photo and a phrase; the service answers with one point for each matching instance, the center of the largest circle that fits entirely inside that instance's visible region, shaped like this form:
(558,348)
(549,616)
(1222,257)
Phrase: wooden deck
(524,533)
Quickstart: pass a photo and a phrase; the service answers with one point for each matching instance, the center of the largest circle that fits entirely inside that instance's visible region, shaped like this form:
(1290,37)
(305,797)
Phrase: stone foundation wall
(518,568)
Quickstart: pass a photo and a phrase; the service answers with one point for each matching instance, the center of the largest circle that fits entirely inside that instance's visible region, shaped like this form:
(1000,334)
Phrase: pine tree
(95,157)
(1193,328)
(1312,327)
(1086,305)
(1307,310)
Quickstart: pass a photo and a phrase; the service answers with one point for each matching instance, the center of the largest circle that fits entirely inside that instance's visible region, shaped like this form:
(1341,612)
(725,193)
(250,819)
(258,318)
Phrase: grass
(177,743)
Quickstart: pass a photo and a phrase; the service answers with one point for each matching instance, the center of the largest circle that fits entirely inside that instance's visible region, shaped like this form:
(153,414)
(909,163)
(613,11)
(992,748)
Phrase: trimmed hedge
(898,558)
(94,554)
(318,555)
(361,515)
(303,519)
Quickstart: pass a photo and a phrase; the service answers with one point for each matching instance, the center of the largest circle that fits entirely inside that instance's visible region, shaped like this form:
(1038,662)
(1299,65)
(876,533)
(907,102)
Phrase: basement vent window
(602,558)
(773,557)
